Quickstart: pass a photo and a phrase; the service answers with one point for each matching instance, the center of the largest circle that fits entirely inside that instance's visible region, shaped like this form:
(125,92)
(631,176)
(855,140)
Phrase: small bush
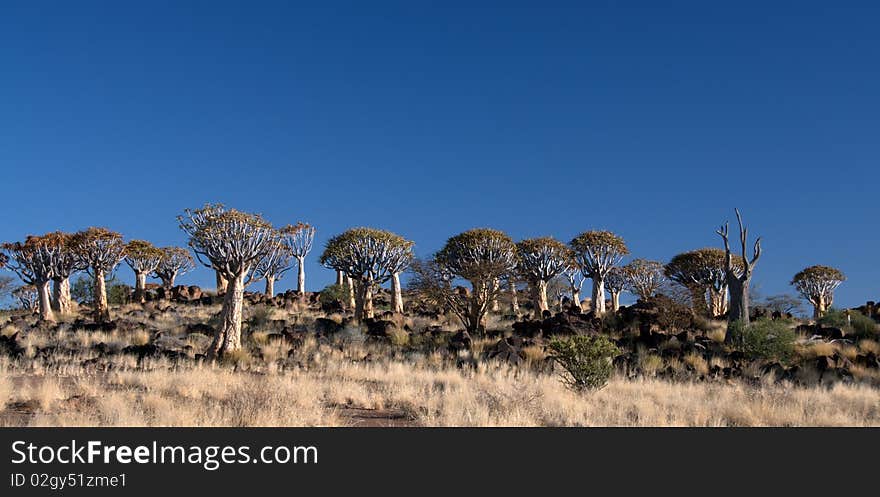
(862,326)
(334,293)
(851,322)
(586,360)
(764,339)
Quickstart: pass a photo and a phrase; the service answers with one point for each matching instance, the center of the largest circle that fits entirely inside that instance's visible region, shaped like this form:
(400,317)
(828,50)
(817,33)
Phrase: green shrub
(586,360)
(855,323)
(833,318)
(764,339)
(334,293)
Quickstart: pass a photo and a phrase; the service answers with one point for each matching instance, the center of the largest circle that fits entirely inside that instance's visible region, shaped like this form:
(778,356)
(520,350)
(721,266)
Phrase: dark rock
(504,350)
(460,341)
(326,326)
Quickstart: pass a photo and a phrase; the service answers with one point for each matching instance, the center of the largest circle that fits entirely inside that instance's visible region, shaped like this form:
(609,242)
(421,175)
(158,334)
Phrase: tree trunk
(340,278)
(599,295)
(227,339)
(514,300)
(495,305)
(576,298)
(363,307)
(300,275)
(739,300)
(352,300)
(140,287)
(222,284)
(270,286)
(717,302)
(820,306)
(46,313)
(61,301)
(99,295)
(540,290)
(398,293)
(615,301)
(475,310)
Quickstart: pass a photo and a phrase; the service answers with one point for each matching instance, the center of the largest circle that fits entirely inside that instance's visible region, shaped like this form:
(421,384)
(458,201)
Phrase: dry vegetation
(72,377)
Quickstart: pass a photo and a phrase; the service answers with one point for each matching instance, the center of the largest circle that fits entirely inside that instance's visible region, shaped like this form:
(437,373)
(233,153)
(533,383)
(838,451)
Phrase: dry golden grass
(335,383)
(323,385)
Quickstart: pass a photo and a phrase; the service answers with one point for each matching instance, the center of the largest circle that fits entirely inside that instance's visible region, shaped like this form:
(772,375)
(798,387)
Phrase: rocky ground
(306,363)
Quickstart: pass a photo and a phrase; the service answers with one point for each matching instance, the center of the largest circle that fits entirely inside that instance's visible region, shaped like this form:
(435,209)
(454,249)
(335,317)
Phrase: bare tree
(597,253)
(143,258)
(643,277)
(615,282)
(28,297)
(817,284)
(175,261)
(232,243)
(32,261)
(370,257)
(101,250)
(479,256)
(299,239)
(738,278)
(541,260)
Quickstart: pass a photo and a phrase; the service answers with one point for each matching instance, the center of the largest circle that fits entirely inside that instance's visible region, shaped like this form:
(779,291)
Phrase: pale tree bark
(576,299)
(340,278)
(615,301)
(363,308)
(717,301)
(514,299)
(301,275)
(598,295)
(398,293)
(140,287)
(46,313)
(270,286)
(99,295)
(539,289)
(61,301)
(820,306)
(495,305)
(222,284)
(352,299)
(228,337)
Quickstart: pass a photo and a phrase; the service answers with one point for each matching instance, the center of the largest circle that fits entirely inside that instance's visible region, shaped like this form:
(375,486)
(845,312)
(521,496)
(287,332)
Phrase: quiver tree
(64,264)
(615,282)
(597,252)
(575,278)
(175,261)
(272,267)
(541,260)
(479,256)
(739,276)
(143,258)
(101,250)
(28,298)
(703,272)
(299,239)
(817,284)
(32,261)
(369,257)
(231,243)
(643,277)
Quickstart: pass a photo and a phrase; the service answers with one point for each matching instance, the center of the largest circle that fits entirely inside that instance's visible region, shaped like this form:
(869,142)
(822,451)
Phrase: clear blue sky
(429,118)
